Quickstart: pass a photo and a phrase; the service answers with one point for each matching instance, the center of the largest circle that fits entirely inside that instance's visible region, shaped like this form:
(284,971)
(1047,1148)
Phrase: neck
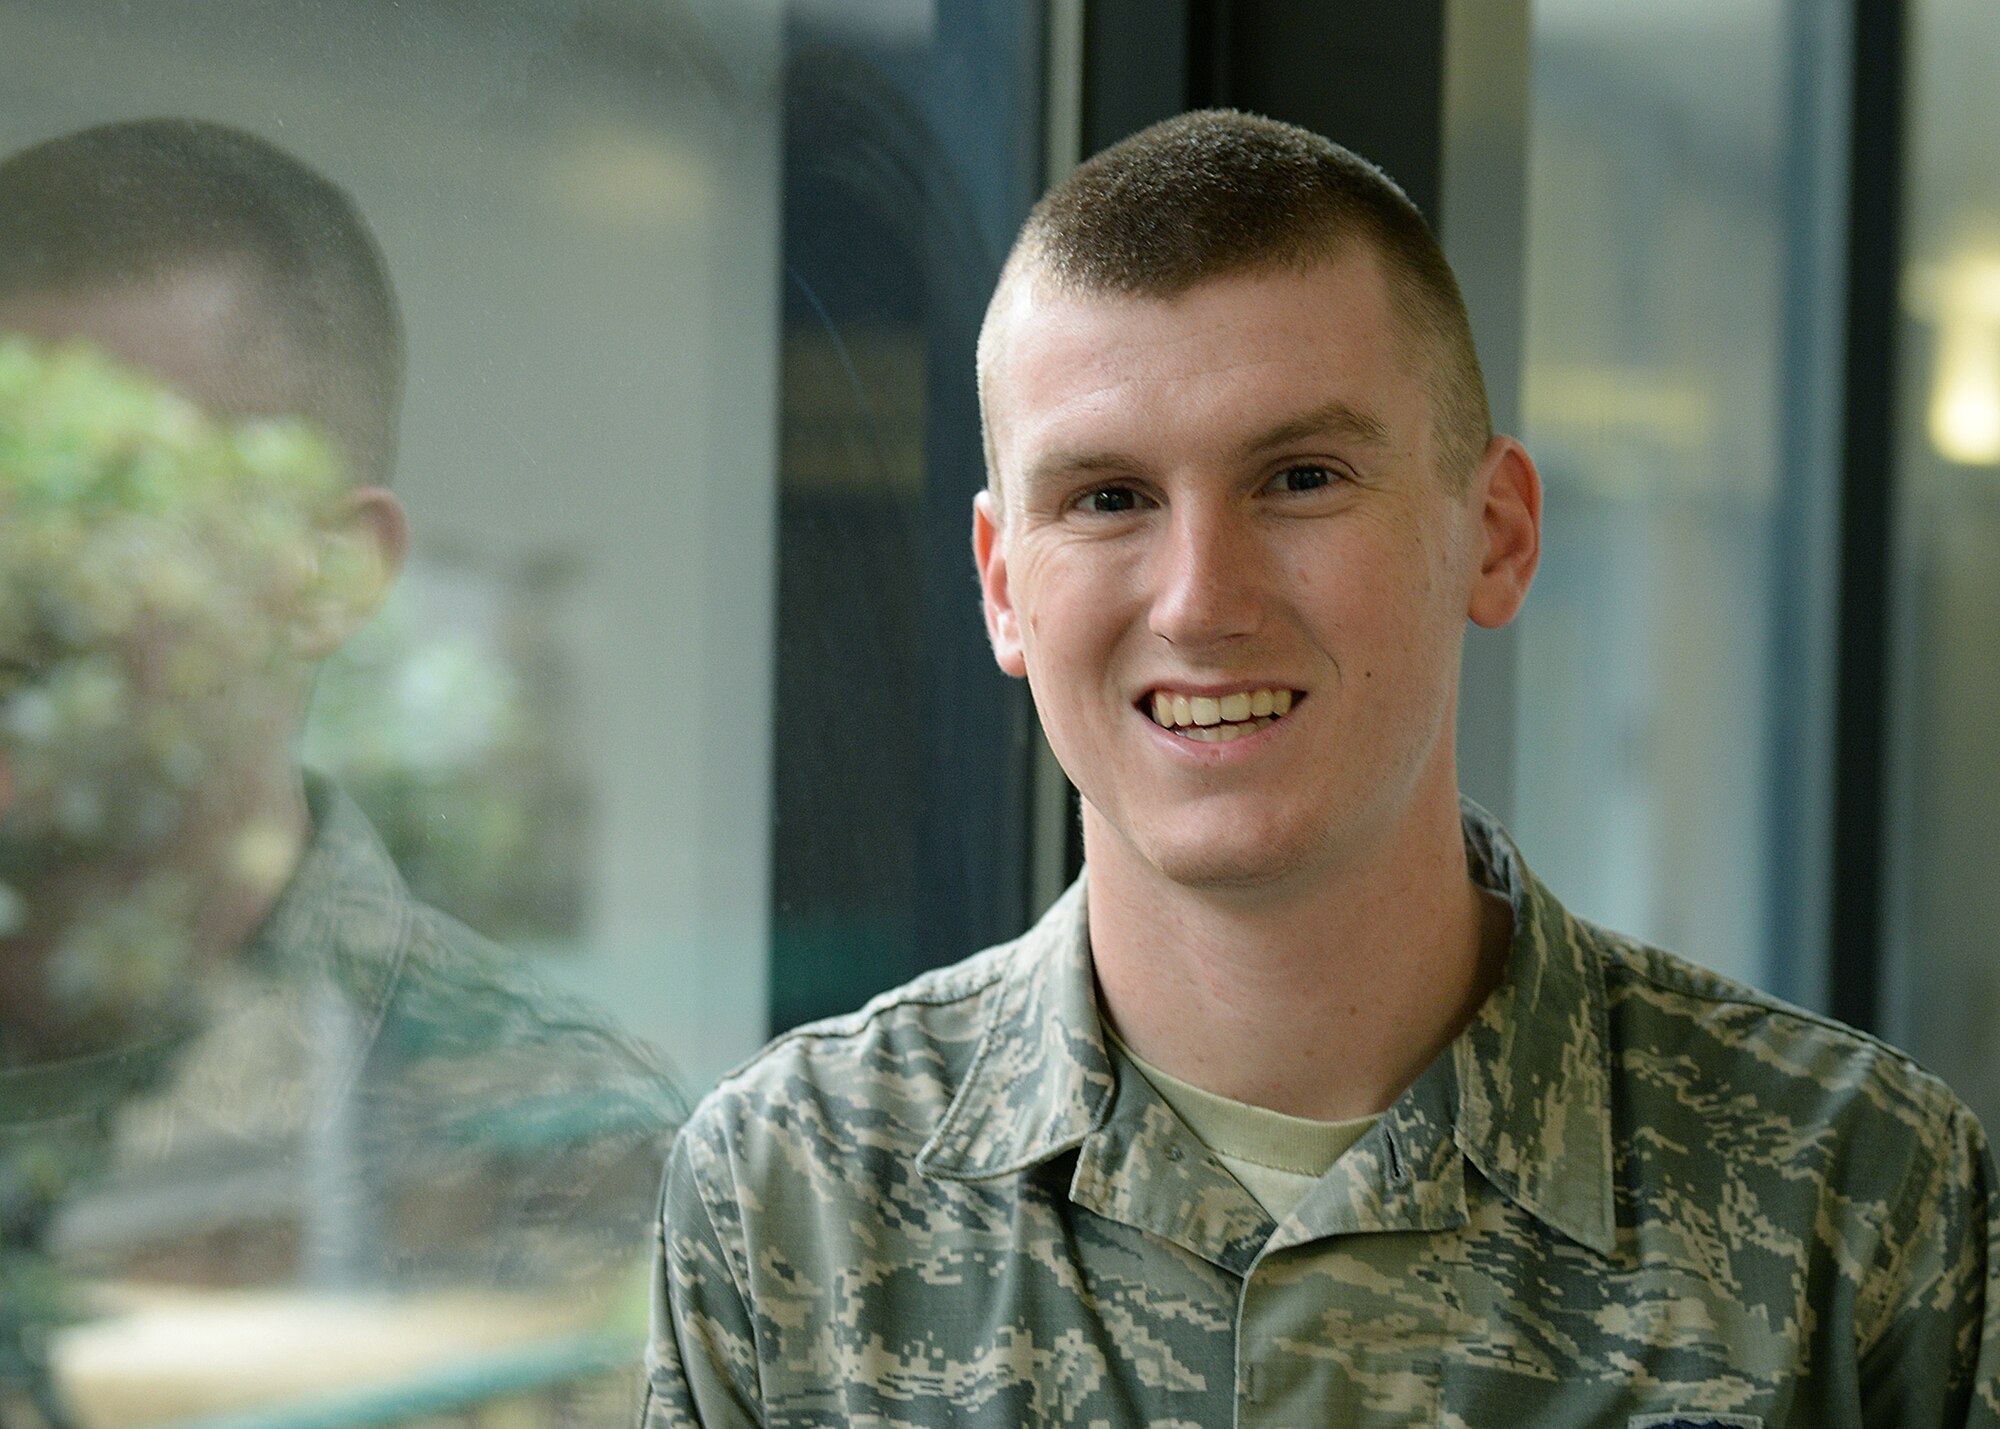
(246,858)
(1326,999)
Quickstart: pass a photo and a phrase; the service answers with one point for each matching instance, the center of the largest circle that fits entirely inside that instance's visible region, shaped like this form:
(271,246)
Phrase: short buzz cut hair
(1218,192)
(137,202)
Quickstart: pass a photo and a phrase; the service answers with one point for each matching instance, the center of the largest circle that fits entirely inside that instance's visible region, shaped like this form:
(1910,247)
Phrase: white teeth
(1218,718)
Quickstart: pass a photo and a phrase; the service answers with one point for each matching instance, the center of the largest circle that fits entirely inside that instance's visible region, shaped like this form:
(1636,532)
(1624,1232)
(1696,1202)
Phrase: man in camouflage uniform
(1308,1105)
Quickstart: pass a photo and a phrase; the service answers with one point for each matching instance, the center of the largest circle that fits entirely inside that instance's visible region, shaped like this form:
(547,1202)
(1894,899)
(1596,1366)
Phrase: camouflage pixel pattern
(1631,1193)
(496,1130)
(412,1111)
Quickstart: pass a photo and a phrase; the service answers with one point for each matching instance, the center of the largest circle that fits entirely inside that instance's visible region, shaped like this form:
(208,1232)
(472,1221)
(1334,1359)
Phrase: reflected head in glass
(220,1002)
(215,260)
(207,364)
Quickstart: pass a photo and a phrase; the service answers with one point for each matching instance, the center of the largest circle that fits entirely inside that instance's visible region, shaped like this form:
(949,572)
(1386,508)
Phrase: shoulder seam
(1635,963)
(854,1024)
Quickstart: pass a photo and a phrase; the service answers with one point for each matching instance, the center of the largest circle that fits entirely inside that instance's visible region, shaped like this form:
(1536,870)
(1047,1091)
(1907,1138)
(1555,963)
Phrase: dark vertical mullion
(1208,54)
(1136,60)
(1803,537)
(1368,76)
(1874,265)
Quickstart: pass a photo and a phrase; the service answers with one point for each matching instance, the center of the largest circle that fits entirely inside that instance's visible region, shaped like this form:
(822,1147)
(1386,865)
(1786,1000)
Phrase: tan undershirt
(1276,1157)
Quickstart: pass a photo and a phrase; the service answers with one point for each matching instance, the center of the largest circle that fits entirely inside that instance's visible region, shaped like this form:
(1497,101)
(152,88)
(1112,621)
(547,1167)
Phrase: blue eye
(1308,476)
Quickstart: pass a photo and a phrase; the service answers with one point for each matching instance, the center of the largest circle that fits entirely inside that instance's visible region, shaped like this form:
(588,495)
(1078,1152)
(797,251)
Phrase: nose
(1208,577)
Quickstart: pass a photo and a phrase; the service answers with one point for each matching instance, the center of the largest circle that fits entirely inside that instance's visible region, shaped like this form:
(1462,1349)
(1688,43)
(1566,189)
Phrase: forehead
(1247,348)
(190,327)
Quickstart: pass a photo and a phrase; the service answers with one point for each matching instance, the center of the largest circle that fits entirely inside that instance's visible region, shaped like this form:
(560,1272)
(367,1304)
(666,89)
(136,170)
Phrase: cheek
(1379,605)
(1068,602)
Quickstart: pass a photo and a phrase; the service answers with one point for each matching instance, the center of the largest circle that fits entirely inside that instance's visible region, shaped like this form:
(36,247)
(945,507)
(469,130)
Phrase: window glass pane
(1681,307)
(912,153)
(679,698)
(1944,830)
(346,1147)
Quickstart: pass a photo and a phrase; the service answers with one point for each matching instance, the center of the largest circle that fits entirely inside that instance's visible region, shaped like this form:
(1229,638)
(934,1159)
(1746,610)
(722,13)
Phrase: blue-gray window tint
(1681,315)
(1943,982)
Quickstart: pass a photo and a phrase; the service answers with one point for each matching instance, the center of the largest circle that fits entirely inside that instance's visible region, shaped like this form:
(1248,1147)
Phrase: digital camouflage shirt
(1630,1194)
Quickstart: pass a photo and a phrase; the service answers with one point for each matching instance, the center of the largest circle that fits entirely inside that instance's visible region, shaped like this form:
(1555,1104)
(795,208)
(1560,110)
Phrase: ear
(989,554)
(1510,532)
(360,554)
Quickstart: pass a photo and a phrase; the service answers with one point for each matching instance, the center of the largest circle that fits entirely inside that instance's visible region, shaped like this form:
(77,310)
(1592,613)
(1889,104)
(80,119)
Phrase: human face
(1213,496)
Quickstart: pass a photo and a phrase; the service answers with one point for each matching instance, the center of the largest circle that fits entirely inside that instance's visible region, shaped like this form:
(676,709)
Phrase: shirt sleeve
(1936,1359)
(701,1358)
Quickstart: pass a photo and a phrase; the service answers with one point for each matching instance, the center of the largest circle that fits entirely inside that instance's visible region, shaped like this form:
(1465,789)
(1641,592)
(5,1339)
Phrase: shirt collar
(345,916)
(1532,1072)
(1041,1080)
(1534,1068)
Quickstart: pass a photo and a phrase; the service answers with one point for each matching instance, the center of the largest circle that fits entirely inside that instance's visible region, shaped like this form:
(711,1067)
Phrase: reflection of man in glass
(233,1050)
(248,284)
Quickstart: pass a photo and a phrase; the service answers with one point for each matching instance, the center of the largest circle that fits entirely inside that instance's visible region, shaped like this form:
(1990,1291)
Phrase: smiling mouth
(1217,719)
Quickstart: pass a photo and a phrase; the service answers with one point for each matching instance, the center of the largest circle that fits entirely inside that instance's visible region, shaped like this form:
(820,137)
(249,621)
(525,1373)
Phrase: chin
(1241,863)
(1231,845)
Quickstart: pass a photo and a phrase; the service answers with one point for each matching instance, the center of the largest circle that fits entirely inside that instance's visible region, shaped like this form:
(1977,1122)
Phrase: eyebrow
(1066,463)
(1330,419)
